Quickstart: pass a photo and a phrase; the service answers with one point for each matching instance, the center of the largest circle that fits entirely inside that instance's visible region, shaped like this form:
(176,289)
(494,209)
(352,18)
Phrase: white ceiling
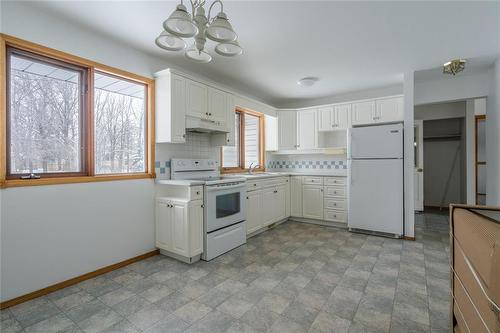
(349,46)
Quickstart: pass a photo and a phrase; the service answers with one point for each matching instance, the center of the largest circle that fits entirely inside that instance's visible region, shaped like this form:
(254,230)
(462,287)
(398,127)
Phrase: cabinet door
(296,196)
(180,236)
(271,133)
(363,113)
(254,211)
(195,226)
(196,99)
(268,206)
(280,200)
(341,116)
(389,110)
(178,113)
(163,226)
(307,129)
(312,201)
(217,105)
(287,130)
(325,118)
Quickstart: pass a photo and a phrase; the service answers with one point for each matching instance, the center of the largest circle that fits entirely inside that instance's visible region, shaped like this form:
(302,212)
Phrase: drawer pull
(198,192)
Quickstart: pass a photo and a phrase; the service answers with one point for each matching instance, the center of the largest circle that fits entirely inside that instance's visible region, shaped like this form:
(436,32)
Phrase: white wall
(460,87)
(440,111)
(54,233)
(493,137)
(409,203)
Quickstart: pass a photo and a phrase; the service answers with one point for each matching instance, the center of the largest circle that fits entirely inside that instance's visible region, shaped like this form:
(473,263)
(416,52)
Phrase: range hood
(198,125)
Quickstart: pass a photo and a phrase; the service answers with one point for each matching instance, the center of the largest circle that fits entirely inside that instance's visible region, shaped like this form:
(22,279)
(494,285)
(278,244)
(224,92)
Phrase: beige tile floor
(293,278)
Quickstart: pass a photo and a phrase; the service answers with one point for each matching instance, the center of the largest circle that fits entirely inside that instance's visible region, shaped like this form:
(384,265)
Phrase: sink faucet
(252,168)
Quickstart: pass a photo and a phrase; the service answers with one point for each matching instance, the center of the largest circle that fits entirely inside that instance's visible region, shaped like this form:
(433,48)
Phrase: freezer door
(385,141)
(376,195)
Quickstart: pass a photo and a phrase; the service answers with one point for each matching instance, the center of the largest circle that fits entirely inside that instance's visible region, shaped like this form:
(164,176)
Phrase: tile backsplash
(197,145)
(305,162)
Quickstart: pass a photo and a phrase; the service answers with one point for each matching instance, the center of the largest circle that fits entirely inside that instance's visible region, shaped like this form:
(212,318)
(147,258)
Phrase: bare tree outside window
(44,117)
(119,116)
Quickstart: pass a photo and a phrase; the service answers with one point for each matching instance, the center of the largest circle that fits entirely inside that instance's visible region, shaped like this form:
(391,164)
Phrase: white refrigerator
(375,184)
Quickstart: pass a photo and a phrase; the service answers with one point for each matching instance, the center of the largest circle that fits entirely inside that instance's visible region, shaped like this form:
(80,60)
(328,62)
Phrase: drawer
(336,204)
(196,193)
(253,185)
(273,181)
(313,180)
(334,181)
(335,191)
(335,216)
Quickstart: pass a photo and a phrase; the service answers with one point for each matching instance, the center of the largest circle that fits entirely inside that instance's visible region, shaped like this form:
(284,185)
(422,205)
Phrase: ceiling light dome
(169,42)
(220,30)
(180,23)
(229,49)
(307,81)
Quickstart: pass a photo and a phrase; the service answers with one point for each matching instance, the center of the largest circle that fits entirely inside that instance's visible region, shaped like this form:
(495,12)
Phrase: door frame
(477,119)
(419,168)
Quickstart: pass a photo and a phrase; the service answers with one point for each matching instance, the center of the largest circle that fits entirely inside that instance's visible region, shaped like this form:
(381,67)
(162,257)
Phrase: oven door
(225,205)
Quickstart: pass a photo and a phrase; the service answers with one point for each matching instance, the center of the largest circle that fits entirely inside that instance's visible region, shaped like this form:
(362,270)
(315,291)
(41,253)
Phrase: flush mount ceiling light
(180,24)
(454,66)
(307,81)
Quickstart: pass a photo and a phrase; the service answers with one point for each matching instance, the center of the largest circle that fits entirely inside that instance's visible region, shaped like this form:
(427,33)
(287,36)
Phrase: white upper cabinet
(307,129)
(170,107)
(287,130)
(325,122)
(196,99)
(335,117)
(341,115)
(389,110)
(271,132)
(217,105)
(363,113)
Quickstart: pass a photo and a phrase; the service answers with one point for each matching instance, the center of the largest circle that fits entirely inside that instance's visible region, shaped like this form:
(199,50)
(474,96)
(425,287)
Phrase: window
(46,111)
(249,143)
(119,107)
(72,120)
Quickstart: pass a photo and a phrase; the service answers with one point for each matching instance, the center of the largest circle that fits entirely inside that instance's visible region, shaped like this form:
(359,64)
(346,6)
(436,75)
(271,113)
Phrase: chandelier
(454,66)
(181,24)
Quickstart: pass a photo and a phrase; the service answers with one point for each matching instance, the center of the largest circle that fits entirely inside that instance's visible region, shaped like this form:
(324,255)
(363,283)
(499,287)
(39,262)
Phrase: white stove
(224,211)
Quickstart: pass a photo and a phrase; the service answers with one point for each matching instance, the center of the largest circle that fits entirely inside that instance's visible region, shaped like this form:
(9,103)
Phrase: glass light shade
(229,49)
(220,30)
(169,42)
(198,56)
(180,23)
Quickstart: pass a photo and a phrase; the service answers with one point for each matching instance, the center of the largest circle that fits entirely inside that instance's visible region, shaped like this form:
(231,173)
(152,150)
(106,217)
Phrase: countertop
(181,182)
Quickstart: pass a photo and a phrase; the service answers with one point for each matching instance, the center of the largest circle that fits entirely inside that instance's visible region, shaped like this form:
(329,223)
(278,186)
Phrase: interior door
(418,165)
(307,134)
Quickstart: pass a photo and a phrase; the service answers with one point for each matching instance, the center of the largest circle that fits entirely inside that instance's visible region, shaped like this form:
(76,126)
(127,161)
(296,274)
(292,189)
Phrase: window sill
(71,180)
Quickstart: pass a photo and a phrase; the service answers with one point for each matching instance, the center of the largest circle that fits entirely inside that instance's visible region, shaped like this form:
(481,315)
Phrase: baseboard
(409,238)
(75,280)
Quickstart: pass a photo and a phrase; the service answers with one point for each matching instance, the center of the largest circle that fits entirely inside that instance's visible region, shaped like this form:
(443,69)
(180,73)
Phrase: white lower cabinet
(296,196)
(179,226)
(267,203)
(254,211)
(312,201)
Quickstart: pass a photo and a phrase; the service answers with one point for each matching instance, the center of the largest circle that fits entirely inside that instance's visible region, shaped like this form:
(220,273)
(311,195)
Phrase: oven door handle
(228,187)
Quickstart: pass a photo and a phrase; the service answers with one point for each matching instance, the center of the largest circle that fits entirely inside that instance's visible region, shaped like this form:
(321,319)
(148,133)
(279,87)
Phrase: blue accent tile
(157,164)
(162,171)
(167,164)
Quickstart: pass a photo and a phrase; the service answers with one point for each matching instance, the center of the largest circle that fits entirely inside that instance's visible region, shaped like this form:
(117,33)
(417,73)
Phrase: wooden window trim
(262,162)
(91,66)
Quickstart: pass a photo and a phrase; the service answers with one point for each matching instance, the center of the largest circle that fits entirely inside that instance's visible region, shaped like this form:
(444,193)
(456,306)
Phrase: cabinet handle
(247,198)
(321,190)
(198,192)
(202,206)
